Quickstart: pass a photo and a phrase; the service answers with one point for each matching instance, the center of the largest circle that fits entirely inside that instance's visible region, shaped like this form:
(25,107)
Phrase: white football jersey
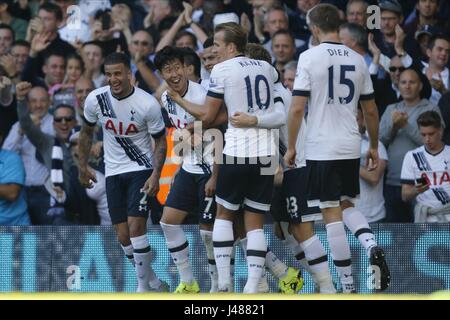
(435,168)
(127,124)
(193,162)
(300,160)
(335,78)
(246,85)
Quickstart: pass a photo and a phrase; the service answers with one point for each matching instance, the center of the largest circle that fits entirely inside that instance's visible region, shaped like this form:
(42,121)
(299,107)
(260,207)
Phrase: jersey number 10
(261,105)
(344,81)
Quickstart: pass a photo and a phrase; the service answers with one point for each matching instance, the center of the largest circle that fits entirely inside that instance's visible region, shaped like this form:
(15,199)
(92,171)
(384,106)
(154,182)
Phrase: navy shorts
(188,194)
(125,199)
(294,196)
(245,181)
(329,182)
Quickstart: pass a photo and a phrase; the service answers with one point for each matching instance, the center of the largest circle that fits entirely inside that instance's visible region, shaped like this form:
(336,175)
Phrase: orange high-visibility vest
(169,168)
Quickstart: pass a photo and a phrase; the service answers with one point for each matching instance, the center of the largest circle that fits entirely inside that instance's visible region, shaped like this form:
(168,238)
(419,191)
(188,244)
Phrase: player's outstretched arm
(295,117)
(196,110)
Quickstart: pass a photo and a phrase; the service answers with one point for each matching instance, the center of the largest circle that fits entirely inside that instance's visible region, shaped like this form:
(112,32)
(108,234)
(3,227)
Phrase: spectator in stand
(391,16)
(83,87)
(371,201)
(8,114)
(425,173)
(13,207)
(399,133)
(6,38)
(93,56)
(283,48)
(46,27)
(357,12)
(141,48)
(17,24)
(289,71)
(276,19)
(37,197)
(112,35)
(64,93)
(72,30)
(15,62)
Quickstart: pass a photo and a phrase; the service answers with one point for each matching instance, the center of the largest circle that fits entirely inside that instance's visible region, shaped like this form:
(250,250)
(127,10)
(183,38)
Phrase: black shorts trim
(407,181)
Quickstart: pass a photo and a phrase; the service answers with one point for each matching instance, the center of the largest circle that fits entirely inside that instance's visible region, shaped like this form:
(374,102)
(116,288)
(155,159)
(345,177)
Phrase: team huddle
(295,155)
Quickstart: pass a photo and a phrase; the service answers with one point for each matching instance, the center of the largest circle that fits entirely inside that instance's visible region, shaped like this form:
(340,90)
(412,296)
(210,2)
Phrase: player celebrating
(335,79)
(129,117)
(245,85)
(195,183)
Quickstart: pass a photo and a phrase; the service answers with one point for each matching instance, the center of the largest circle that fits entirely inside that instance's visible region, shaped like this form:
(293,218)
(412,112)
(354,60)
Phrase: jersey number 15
(344,81)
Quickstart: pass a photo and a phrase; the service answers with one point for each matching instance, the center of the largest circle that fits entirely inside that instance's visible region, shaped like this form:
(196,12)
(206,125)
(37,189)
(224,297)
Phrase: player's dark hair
(233,33)
(258,52)
(429,119)
(117,58)
(192,59)
(167,55)
(325,17)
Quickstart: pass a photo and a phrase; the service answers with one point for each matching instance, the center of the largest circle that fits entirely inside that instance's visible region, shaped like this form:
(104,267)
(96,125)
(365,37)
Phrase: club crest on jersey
(121,128)
(446,164)
(132,114)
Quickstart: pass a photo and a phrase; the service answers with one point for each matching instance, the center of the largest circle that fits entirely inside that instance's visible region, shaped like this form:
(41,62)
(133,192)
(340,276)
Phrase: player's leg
(258,195)
(358,225)
(289,279)
(138,211)
(324,188)
(181,199)
(301,219)
(315,255)
(207,212)
(229,196)
(117,207)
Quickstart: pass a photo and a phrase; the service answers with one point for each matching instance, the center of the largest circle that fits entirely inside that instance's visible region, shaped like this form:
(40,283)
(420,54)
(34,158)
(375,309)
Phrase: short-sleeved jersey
(335,78)
(246,85)
(127,125)
(193,162)
(300,161)
(435,168)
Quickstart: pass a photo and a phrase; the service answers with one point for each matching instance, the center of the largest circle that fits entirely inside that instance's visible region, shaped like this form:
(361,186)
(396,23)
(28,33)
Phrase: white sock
(256,256)
(179,250)
(340,250)
(357,223)
(275,265)
(318,263)
(142,256)
(212,268)
(128,251)
(295,247)
(223,241)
